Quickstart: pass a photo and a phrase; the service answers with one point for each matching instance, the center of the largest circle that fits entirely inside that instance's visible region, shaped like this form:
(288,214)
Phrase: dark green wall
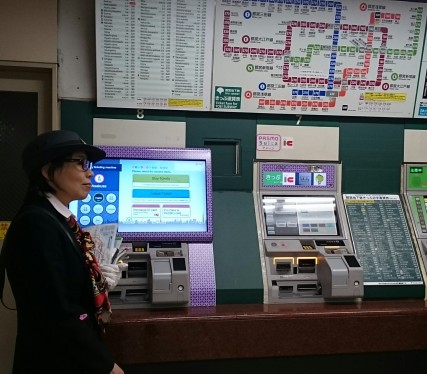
(371,151)
(376,363)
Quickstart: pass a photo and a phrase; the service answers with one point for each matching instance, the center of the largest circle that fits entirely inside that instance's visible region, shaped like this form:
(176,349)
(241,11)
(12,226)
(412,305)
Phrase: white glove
(113,273)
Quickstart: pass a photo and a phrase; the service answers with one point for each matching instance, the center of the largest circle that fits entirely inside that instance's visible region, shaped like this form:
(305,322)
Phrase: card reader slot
(137,291)
(334,250)
(306,265)
(114,295)
(307,287)
(286,289)
(283,267)
(137,269)
(137,294)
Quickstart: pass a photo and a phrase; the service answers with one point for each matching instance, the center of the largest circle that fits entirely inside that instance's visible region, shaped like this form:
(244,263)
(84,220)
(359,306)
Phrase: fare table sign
(382,240)
(154,54)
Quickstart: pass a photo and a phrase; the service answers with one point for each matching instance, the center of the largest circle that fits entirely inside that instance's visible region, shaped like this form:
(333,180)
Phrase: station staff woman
(61,295)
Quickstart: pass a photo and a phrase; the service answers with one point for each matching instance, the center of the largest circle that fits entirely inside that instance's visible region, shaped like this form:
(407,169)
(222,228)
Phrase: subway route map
(314,57)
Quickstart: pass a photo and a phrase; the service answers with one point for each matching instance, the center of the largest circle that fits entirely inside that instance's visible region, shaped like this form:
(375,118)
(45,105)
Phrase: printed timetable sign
(382,240)
(154,54)
(348,57)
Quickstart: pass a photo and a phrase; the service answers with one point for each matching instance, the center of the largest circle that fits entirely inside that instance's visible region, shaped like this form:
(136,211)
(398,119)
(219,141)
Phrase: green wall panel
(371,156)
(236,253)
(371,151)
(226,128)
(405,362)
(78,116)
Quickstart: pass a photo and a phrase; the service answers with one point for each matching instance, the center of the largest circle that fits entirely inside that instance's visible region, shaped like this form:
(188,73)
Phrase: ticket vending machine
(161,201)
(304,241)
(414,195)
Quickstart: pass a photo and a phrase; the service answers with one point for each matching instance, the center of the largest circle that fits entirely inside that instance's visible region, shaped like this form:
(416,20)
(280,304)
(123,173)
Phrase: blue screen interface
(146,196)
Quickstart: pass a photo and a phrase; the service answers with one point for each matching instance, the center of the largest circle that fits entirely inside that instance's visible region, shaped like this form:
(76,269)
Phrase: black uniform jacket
(57,329)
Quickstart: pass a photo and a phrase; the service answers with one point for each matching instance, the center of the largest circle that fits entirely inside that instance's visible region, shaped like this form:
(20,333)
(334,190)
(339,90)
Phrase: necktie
(99,283)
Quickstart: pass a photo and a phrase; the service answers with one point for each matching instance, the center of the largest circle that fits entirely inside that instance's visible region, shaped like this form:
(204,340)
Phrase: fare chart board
(382,240)
(316,57)
(154,54)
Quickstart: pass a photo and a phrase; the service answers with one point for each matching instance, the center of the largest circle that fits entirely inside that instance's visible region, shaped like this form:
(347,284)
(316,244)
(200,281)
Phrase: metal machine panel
(414,198)
(157,276)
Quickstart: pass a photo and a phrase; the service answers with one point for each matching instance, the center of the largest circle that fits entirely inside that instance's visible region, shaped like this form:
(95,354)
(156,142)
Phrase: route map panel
(316,57)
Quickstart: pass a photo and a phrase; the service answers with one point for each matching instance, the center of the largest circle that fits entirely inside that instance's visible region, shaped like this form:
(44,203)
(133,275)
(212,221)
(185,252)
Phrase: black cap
(54,145)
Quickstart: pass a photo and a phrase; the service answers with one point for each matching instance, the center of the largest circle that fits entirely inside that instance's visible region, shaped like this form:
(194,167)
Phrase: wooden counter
(137,336)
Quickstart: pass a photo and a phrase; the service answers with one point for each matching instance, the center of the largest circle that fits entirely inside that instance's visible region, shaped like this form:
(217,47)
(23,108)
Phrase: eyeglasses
(85,164)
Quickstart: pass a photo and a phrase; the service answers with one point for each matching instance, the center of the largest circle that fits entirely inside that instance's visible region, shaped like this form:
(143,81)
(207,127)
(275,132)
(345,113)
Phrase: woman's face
(71,181)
